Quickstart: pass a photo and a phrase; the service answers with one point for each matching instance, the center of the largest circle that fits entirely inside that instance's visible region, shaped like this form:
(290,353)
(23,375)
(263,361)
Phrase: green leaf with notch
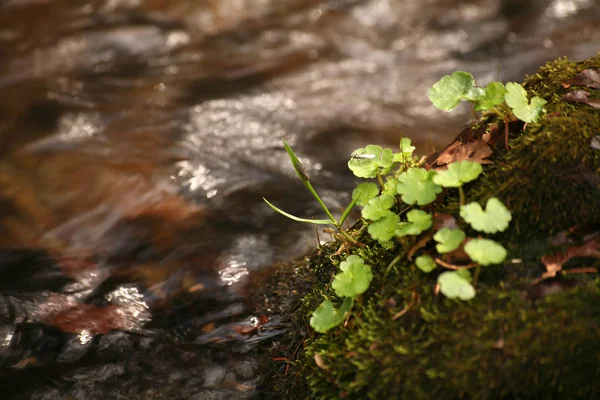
(492,96)
(494,219)
(454,286)
(384,228)
(446,93)
(354,279)
(364,192)
(458,173)
(326,317)
(377,207)
(485,251)
(416,186)
(418,221)
(370,161)
(516,98)
(448,239)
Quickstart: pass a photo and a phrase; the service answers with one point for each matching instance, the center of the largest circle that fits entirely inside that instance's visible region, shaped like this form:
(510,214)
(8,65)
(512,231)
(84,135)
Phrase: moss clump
(508,342)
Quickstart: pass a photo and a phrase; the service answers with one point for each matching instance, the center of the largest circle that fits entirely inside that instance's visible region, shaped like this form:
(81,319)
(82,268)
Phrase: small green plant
(509,102)
(396,205)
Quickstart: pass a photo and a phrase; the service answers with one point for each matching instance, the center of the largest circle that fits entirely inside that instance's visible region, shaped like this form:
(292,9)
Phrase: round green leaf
(516,98)
(450,90)
(458,173)
(493,96)
(377,207)
(494,219)
(364,192)
(384,228)
(485,251)
(370,161)
(425,263)
(416,186)
(448,239)
(354,279)
(325,317)
(453,286)
(418,221)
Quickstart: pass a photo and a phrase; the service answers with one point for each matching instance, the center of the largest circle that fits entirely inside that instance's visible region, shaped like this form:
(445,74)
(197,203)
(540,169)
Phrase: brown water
(139,137)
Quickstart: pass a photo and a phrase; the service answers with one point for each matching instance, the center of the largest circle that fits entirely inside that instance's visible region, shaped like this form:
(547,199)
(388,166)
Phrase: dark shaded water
(139,137)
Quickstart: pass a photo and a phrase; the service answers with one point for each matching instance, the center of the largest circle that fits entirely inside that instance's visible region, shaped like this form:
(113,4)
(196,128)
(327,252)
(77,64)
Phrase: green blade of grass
(290,216)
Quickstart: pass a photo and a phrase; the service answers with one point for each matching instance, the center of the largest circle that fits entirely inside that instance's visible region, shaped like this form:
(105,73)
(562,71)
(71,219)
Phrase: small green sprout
(354,279)
(448,239)
(301,172)
(418,221)
(454,285)
(406,151)
(326,317)
(492,97)
(416,186)
(494,219)
(485,251)
(425,263)
(377,207)
(516,98)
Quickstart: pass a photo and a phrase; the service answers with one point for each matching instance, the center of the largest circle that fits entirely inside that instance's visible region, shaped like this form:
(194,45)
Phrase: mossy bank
(516,339)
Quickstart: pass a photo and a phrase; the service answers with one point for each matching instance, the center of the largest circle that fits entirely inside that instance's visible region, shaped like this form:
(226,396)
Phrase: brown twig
(454,267)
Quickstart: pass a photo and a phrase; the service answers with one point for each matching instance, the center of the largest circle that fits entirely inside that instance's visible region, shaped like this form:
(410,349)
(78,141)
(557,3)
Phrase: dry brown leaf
(476,151)
(555,262)
(588,77)
(581,96)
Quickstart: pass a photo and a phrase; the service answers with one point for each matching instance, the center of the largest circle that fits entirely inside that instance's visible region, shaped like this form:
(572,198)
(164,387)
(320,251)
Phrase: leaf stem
(380,180)
(347,212)
(316,196)
(461,193)
(506,122)
(476,275)
(392,264)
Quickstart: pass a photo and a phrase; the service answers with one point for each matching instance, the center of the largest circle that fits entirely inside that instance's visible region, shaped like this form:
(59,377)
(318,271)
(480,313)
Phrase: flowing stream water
(138,137)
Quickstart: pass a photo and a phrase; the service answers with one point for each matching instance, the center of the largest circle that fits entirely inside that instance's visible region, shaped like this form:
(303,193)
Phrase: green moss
(504,344)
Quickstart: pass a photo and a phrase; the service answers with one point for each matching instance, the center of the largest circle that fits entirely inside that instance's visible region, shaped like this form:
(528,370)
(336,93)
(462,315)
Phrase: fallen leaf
(581,96)
(588,77)
(476,151)
(554,263)
(443,220)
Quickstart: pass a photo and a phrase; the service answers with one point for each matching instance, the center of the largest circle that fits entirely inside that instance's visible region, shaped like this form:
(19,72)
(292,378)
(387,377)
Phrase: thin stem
(380,180)
(346,235)
(452,266)
(476,275)
(347,212)
(392,264)
(461,193)
(506,122)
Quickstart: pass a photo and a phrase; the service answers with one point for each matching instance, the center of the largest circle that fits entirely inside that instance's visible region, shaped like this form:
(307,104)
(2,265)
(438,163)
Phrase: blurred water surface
(137,139)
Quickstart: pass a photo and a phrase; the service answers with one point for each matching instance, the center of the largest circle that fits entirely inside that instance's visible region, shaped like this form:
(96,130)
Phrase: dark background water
(137,139)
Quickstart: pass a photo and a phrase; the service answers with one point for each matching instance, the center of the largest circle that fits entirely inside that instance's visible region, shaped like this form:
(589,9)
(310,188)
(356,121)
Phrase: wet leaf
(377,207)
(326,317)
(476,151)
(451,90)
(416,186)
(448,239)
(384,229)
(457,174)
(418,222)
(354,279)
(370,161)
(425,263)
(494,219)
(588,77)
(516,98)
(454,286)
(364,192)
(485,251)
(581,96)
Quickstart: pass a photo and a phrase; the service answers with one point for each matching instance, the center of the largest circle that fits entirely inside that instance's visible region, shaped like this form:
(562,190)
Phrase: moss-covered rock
(515,340)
